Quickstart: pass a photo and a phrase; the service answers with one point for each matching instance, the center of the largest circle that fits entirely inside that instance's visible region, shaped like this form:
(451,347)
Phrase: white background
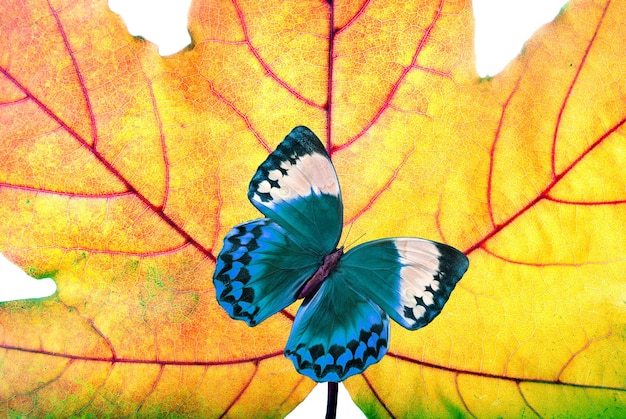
(502,26)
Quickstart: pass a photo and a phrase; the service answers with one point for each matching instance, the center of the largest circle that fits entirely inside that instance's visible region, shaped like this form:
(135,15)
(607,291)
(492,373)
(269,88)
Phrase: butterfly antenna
(348,235)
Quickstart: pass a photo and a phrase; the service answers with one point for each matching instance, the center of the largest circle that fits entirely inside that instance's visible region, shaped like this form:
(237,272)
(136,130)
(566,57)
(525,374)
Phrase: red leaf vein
(112,195)
(458,392)
(81,81)
(387,102)
(93,326)
(492,152)
(242,116)
(14,102)
(378,193)
(331,60)
(583,203)
(547,189)
(556,178)
(152,388)
(375,393)
(562,264)
(109,167)
(571,87)
(354,18)
(581,350)
(96,392)
(265,66)
(120,360)
(242,391)
(501,377)
(166,164)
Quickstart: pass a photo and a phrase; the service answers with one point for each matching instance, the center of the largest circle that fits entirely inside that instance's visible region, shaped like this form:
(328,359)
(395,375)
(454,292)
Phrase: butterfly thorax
(330,261)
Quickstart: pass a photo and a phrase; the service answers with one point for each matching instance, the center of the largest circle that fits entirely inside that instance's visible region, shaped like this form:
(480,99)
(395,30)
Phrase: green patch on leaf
(40,305)
(129,268)
(523,51)
(192,43)
(79,258)
(155,276)
(42,273)
(562,11)
(369,407)
(453,410)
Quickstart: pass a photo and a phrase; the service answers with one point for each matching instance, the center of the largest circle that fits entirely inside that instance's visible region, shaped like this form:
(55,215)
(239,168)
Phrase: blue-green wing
(297,187)
(337,333)
(260,270)
(410,279)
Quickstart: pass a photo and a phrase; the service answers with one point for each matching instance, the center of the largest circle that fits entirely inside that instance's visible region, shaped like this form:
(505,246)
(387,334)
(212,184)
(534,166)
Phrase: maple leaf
(123,170)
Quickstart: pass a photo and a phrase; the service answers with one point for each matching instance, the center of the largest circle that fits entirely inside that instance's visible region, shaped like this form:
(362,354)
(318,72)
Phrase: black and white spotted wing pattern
(337,333)
(297,187)
(410,279)
(260,270)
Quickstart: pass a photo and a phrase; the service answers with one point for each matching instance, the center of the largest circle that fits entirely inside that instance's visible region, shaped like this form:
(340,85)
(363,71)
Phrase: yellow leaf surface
(122,171)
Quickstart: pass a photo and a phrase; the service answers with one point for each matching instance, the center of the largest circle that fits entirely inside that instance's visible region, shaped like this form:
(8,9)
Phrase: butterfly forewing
(337,333)
(410,279)
(297,187)
(260,270)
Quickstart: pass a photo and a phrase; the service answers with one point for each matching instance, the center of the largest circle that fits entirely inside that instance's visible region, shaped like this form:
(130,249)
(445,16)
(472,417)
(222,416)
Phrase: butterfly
(342,326)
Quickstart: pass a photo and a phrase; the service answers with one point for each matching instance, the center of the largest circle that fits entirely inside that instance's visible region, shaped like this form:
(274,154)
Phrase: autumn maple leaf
(122,171)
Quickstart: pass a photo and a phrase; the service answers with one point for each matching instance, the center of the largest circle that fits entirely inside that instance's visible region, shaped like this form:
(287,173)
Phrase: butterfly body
(330,261)
(342,327)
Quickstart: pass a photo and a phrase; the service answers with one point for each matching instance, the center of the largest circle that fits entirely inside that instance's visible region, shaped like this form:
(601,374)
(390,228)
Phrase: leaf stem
(331,405)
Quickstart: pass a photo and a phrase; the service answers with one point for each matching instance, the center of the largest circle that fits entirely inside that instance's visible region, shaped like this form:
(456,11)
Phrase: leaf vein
(241,115)
(387,102)
(521,393)
(378,193)
(354,18)
(546,190)
(501,377)
(120,360)
(166,164)
(264,64)
(551,264)
(375,393)
(458,392)
(583,203)
(151,390)
(571,88)
(243,390)
(110,167)
(81,81)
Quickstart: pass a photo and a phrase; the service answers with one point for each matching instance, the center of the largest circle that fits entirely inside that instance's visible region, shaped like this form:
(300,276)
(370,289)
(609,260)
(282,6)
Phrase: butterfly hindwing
(260,270)
(297,187)
(410,279)
(337,333)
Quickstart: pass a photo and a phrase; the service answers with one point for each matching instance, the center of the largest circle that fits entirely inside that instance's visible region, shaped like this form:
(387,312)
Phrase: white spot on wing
(264,187)
(419,311)
(420,260)
(274,174)
(311,174)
